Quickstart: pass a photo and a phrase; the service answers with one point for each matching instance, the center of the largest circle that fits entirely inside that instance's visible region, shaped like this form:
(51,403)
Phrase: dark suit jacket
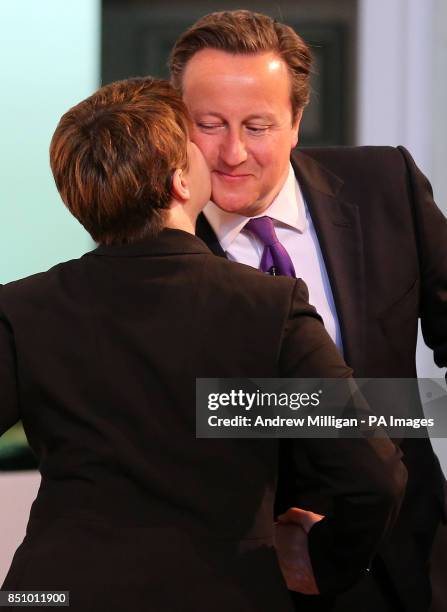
(99,358)
(384,244)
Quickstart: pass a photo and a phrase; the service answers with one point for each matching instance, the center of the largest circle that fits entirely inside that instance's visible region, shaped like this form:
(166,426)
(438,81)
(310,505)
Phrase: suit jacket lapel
(337,224)
(205,232)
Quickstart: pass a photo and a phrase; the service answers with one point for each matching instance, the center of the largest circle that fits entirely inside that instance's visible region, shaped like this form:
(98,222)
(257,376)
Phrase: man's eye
(209,126)
(258,129)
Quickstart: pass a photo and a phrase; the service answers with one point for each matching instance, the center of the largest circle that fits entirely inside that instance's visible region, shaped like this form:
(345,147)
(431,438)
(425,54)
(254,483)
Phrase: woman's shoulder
(37,284)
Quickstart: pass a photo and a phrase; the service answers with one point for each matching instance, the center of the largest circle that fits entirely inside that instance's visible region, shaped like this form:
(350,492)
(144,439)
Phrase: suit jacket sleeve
(431,233)
(364,477)
(9,405)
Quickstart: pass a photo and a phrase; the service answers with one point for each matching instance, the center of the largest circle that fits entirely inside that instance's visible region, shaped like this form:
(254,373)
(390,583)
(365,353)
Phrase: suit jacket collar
(206,233)
(168,242)
(338,228)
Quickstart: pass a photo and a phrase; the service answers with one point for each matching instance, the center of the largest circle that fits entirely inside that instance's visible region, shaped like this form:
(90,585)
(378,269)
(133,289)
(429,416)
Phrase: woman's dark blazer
(98,357)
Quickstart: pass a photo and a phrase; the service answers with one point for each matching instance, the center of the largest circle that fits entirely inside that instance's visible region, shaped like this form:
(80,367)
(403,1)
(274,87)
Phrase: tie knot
(262,228)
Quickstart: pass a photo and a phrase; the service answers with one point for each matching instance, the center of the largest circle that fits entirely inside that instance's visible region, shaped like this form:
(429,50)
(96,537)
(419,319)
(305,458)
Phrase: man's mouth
(230,177)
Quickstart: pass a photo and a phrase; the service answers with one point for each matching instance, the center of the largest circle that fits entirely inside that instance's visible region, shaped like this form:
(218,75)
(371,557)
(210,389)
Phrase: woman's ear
(180,188)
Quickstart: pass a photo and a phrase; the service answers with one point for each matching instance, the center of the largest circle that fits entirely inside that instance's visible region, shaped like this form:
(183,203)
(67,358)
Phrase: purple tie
(275,258)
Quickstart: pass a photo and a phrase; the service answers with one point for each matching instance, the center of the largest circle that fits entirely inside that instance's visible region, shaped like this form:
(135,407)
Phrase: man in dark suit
(99,357)
(360,227)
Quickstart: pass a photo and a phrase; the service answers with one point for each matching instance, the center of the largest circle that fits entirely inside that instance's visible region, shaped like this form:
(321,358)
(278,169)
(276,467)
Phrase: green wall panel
(49,61)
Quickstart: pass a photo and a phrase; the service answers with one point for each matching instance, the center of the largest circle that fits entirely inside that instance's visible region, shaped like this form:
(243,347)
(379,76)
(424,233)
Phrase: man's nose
(233,150)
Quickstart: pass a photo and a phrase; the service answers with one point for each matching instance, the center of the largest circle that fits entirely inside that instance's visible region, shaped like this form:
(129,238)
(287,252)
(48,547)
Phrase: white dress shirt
(296,232)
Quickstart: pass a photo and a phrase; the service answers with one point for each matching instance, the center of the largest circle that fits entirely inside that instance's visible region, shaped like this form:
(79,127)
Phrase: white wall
(403,99)
(395,76)
(439,105)
(17,492)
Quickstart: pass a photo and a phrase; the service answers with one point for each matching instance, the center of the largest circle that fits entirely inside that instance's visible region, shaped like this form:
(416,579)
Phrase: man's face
(242,117)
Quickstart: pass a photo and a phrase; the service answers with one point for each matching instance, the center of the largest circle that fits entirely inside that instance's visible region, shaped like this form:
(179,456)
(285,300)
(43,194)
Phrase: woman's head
(114,155)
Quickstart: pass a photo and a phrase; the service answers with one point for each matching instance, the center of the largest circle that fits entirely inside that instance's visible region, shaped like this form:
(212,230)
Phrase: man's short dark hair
(247,33)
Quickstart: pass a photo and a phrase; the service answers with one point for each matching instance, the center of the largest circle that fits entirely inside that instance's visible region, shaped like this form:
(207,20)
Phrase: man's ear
(296,127)
(180,188)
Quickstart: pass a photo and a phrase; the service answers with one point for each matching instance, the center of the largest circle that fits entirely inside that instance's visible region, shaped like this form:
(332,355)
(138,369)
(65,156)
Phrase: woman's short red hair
(113,155)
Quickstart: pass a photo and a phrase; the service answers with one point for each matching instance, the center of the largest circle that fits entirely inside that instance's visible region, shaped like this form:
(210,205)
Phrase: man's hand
(292,549)
(305,518)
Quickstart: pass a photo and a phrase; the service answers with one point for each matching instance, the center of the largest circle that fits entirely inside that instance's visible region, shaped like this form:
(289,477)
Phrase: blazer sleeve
(431,235)
(363,477)
(9,404)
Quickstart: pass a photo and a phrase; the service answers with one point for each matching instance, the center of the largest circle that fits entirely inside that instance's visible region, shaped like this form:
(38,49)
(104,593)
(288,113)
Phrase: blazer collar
(337,223)
(168,242)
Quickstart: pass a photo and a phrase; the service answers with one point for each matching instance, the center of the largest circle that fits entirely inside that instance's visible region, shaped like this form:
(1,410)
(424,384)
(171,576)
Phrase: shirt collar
(227,226)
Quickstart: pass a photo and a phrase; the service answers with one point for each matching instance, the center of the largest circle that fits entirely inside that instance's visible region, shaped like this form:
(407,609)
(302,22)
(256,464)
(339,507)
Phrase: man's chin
(241,206)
